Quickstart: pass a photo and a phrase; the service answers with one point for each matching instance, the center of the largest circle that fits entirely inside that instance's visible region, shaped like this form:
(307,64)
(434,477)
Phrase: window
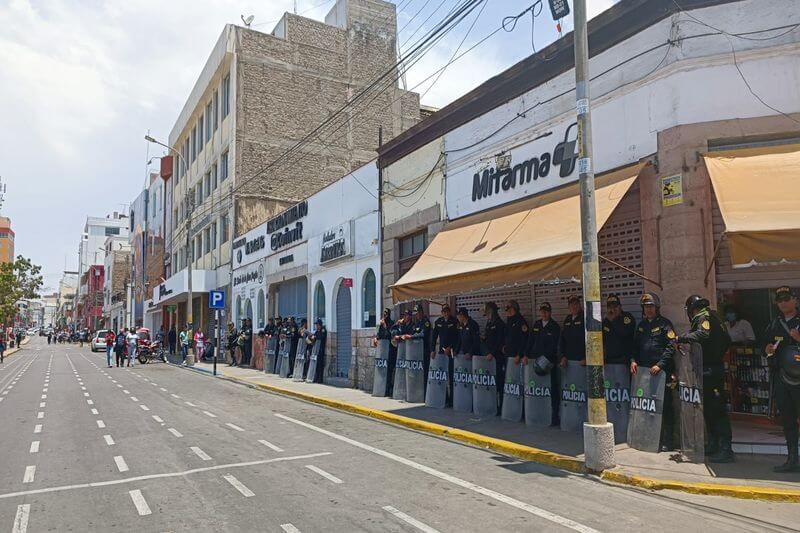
(411,248)
(207,239)
(260,309)
(112,231)
(223,167)
(207,184)
(198,194)
(226,95)
(200,137)
(198,247)
(214,182)
(213,235)
(319,301)
(177,170)
(208,121)
(194,143)
(175,265)
(368,317)
(223,236)
(186,156)
(216,110)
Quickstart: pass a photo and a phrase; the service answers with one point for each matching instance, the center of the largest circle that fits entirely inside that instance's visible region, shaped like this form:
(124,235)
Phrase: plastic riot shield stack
(538,396)
(379,378)
(646,410)
(574,409)
(399,390)
(462,383)
(618,402)
(284,356)
(272,355)
(689,363)
(484,386)
(415,371)
(313,360)
(300,360)
(512,392)
(438,378)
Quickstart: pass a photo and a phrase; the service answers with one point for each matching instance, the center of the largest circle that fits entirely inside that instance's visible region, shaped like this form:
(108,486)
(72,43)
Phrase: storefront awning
(757,194)
(542,241)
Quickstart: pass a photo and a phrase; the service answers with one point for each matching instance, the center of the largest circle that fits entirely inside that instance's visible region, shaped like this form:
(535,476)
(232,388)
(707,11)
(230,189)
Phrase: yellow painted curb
(745,492)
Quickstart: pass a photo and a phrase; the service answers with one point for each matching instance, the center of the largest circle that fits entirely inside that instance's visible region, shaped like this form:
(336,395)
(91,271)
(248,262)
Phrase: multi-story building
(259,95)
(91,250)
(90,302)
(117,277)
(6,241)
(67,288)
(49,309)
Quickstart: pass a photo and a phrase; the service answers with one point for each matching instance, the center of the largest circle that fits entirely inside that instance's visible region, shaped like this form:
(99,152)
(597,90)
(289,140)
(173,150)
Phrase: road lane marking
(326,475)
(163,389)
(37,428)
(536,511)
(119,386)
(175,432)
(289,528)
(42,404)
(175,396)
(410,520)
(141,505)
(122,466)
(144,407)
(83,388)
(86,394)
(89,402)
(126,391)
(238,485)
(158,419)
(35,446)
(134,398)
(101,424)
(21,519)
(40,415)
(94,412)
(200,453)
(109,440)
(190,404)
(30,472)
(207,413)
(233,426)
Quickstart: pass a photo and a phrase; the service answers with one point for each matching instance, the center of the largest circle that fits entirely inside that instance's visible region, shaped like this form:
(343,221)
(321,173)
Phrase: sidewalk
(750,477)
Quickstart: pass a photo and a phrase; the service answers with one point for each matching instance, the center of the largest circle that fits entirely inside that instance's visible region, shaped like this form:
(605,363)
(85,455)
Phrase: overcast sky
(82,81)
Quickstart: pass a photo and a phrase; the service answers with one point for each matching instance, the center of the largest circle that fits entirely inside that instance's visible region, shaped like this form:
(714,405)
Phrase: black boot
(792,463)
(725,454)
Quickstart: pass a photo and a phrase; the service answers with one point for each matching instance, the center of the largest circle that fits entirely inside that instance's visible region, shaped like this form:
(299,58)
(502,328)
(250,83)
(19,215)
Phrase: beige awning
(540,241)
(758,195)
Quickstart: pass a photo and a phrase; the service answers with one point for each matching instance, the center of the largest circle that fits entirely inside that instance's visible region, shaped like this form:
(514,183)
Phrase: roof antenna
(247,20)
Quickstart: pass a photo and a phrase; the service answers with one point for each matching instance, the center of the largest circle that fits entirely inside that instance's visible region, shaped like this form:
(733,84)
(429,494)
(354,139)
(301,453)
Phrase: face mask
(730,317)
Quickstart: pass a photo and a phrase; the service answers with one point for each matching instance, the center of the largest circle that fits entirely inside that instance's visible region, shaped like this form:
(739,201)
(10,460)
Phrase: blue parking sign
(216,299)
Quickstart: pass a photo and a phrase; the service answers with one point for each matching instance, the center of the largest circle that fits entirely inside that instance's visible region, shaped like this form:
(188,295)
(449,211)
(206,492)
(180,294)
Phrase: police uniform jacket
(573,340)
(708,331)
(397,329)
(493,338)
(544,340)
(320,336)
(446,330)
(516,335)
(618,339)
(469,337)
(652,343)
(421,329)
(777,333)
(385,331)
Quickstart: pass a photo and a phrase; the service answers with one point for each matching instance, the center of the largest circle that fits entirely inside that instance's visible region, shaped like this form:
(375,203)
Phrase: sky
(82,82)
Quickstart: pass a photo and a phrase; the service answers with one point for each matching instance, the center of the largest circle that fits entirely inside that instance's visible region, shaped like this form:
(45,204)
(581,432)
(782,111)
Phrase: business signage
(336,243)
(286,228)
(248,276)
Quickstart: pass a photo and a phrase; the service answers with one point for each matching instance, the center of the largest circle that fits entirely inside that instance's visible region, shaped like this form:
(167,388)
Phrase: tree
(18,280)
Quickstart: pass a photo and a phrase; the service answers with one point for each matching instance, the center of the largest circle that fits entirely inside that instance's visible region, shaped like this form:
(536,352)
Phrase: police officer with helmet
(709,332)
(445,330)
(573,336)
(783,349)
(543,343)
(516,340)
(492,342)
(619,328)
(654,349)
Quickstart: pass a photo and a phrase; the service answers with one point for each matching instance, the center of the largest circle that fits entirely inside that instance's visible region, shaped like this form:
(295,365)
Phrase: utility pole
(190,258)
(380,214)
(598,433)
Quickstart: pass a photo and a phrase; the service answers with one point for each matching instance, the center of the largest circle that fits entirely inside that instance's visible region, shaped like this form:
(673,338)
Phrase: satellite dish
(247,20)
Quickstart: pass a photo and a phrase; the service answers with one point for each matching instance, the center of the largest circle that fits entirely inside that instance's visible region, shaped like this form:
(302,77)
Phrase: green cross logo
(572,387)
(607,384)
(639,393)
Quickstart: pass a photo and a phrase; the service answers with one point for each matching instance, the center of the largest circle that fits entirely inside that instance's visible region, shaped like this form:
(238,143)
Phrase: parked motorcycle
(151,351)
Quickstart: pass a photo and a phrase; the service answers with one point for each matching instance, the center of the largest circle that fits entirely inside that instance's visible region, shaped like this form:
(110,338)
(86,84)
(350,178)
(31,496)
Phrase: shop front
(170,299)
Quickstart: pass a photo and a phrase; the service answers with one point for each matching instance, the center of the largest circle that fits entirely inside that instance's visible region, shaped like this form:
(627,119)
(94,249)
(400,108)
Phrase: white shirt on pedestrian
(741,331)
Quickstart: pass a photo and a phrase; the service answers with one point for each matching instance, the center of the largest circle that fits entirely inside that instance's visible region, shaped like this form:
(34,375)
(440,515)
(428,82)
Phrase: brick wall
(361,364)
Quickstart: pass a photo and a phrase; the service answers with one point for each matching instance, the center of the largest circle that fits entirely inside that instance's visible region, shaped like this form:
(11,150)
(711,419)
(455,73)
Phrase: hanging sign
(336,243)
(672,190)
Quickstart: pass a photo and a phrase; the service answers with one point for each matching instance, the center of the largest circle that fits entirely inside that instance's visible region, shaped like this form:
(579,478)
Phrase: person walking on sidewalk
(184,344)
(232,339)
(2,347)
(133,345)
(199,344)
(172,338)
(110,338)
(119,347)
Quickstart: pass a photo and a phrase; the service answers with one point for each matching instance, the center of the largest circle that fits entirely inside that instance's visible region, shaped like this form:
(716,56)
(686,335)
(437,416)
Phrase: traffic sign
(559,9)
(216,299)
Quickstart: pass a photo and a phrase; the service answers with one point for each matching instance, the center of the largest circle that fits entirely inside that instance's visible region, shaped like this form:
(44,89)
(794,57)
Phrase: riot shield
(538,396)
(484,386)
(646,410)
(512,392)
(438,378)
(271,357)
(415,371)
(689,363)
(574,409)
(618,401)
(300,360)
(381,367)
(399,391)
(284,355)
(462,383)
(313,361)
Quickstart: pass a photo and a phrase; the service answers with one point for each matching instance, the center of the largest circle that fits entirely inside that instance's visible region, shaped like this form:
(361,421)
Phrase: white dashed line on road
(94,412)
(190,404)
(163,389)
(144,407)
(200,453)
(134,398)
(270,446)
(90,402)
(175,432)
(42,404)
(122,466)
(326,475)
(44,396)
(30,472)
(86,394)
(207,413)
(233,426)
(158,419)
(238,485)
(141,505)
(289,528)
(126,391)
(37,428)
(21,519)
(35,446)
(175,396)
(411,521)
(101,424)
(109,440)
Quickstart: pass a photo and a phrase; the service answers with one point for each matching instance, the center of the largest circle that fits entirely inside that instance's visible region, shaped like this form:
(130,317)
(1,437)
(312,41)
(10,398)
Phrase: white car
(99,341)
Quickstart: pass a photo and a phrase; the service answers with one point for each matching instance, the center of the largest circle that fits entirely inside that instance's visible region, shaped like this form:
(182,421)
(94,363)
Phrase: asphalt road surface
(158,448)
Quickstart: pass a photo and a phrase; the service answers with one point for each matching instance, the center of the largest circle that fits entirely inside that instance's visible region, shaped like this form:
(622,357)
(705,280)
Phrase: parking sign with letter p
(216,299)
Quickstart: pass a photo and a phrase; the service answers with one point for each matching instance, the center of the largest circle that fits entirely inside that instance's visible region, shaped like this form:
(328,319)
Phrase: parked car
(99,341)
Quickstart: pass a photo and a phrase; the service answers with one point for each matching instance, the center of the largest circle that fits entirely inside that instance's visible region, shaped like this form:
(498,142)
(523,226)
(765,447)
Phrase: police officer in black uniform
(421,329)
(573,338)
(384,332)
(654,350)
(543,342)
(709,332)
(398,332)
(516,340)
(469,333)
(492,343)
(445,330)
(292,334)
(619,328)
(783,349)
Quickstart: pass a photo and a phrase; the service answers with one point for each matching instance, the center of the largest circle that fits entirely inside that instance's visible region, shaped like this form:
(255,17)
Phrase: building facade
(6,241)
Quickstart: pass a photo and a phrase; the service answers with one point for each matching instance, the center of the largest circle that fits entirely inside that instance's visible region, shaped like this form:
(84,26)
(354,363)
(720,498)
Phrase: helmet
(649,298)
(694,302)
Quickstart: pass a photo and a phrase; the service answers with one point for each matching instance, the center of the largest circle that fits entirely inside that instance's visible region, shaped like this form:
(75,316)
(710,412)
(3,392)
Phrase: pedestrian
(517,336)
(110,338)
(783,350)
(19,338)
(232,338)
(421,329)
(184,343)
(133,346)
(543,348)
(654,349)
(248,341)
(384,332)
(573,342)
(49,337)
(739,329)
(172,338)
(398,332)
(446,331)
(2,347)
(199,344)
(619,328)
(708,331)
(292,334)
(320,336)
(83,337)
(119,347)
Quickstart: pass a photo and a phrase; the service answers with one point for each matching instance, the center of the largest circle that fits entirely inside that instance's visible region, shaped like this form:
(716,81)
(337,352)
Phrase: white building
(91,250)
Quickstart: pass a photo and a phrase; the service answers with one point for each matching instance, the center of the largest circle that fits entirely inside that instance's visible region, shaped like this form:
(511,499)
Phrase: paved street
(159,448)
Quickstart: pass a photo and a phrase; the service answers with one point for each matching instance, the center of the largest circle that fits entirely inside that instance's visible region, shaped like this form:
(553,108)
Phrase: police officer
(708,331)
(543,342)
(445,330)
(292,334)
(654,349)
(492,344)
(384,332)
(319,335)
(573,339)
(783,349)
(516,339)
(619,328)
(398,331)
(469,334)
(421,329)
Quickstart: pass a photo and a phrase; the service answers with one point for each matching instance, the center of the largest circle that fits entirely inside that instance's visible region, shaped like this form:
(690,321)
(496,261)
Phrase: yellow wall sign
(672,190)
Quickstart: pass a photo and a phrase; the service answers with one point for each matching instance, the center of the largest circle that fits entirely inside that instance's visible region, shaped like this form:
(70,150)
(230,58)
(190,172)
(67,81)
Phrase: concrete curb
(563,462)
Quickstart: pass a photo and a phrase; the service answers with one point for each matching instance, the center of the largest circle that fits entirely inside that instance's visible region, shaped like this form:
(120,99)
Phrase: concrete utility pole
(190,258)
(598,434)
